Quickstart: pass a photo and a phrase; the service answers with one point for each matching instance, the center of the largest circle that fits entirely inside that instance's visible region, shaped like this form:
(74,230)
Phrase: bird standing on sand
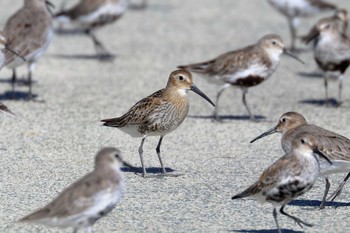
(28,32)
(294,9)
(84,202)
(331,52)
(336,147)
(158,114)
(243,68)
(289,177)
(89,15)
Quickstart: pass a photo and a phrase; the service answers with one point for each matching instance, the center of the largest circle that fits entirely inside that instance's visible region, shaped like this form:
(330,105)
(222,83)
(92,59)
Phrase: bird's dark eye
(117,156)
(303,141)
(181,77)
(327,26)
(274,42)
(284,120)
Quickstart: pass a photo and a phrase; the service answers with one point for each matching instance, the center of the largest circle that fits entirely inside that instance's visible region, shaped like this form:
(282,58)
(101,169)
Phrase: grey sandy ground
(48,145)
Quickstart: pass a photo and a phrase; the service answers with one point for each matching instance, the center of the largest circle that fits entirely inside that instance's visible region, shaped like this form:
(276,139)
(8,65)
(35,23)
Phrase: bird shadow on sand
(149,170)
(229,117)
(266,231)
(17,95)
(321,102)
(101,58)
(317,203)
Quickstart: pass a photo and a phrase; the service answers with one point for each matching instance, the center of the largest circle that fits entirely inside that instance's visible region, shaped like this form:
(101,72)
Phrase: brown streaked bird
(289,177)
(84,202)
(243,68)
(336,147)
(158,114)
(28,32)
(340,16)
(331,52)
(294,9)
(89,15)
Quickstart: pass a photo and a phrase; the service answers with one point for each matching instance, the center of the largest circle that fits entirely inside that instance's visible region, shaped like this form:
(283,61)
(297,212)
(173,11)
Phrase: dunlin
(89,15)
(160,113)
(332,145)
(331,52)
(87,200)
(289,177)
(29,33)
(294,9)
(340,16)
(243,68)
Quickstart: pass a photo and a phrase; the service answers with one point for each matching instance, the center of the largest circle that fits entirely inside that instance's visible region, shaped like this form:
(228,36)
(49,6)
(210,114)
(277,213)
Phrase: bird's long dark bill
(199,92)
(270,131)
(127,165)
(289,53)
(319,153)
(14,52)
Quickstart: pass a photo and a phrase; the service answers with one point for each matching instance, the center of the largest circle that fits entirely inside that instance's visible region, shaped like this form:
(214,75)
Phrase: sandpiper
(340,16)
(332,145)
(158,114)
(28,32)
(294,9)
(289,177)
(87,200)
(243,68)
(331,52)
(89,15)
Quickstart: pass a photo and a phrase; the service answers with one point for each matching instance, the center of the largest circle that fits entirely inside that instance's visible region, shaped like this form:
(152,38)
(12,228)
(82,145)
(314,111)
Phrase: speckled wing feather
(138,113)
(84,7)
(228,63)
(19,32)
(75,199)
(268,179)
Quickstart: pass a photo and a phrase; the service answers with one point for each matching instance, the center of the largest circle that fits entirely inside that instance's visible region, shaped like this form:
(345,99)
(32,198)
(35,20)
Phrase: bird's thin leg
(221,89)
(340,88)
(292,30)
(328,185)
(297,220)
(13,80)
(326,87)
(158,153)
(274,213)
(31,68)
(339,189)
(100,49)
(141,157)
(251,116)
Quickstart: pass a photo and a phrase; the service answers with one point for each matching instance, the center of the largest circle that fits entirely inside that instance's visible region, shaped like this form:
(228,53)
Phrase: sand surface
(50,143)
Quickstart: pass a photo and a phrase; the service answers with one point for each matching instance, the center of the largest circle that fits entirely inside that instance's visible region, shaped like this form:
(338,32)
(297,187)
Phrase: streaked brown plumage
(289,177)
(243,68)
(28,32)
(160,113)
(336,147)
(82,203)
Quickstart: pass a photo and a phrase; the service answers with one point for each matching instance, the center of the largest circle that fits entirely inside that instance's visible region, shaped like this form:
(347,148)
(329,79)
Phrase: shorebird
(289,177)
(243,68)
(29,33)
(331,52)
(158,114)
(340,16)
(84,202)
(294,9)
(89,15)
(336,147)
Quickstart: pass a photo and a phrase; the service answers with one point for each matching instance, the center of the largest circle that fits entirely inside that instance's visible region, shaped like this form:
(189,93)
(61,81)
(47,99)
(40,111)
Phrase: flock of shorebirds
(310,151)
